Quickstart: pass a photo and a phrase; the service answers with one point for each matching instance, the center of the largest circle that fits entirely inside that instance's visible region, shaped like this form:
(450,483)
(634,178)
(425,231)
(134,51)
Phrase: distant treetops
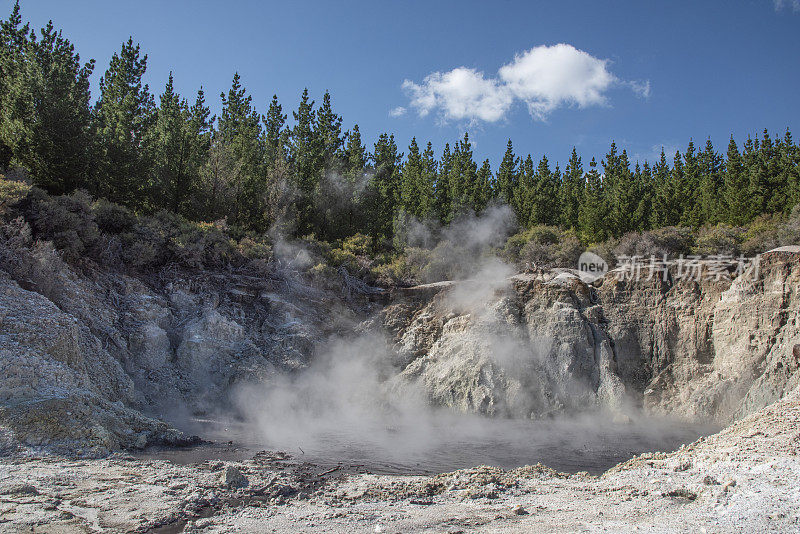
(309,176)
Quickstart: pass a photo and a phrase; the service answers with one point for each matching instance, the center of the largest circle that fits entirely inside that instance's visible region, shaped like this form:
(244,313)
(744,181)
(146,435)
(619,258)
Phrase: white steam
(362,397)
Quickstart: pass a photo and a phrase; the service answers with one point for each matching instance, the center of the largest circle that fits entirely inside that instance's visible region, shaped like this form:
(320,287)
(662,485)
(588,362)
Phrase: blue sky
(645,74)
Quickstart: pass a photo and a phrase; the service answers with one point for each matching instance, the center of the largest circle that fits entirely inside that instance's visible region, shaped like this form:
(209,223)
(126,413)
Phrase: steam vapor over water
(350,405)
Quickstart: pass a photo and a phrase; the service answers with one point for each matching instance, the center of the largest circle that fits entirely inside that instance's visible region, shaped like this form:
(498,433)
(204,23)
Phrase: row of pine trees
(311,177)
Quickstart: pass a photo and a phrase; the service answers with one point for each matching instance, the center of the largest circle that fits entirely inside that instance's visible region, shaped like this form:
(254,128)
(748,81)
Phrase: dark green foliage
(239,133)
(123,119)
(304,157)
(112,218)
(182,138)
(44,107)
(508,176)
(385,187)
(571,191)
(255,173)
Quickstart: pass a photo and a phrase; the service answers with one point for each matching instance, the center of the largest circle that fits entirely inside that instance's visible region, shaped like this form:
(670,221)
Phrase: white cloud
(399,111)
(544,78)
(547,77)
(641,88)
(460,94)
(793,4)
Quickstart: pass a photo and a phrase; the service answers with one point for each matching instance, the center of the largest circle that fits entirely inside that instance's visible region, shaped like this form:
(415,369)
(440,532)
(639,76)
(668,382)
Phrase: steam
(350,391)
(359,396)
(341,398)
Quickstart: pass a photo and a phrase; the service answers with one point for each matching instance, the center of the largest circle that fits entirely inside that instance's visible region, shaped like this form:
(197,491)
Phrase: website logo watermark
(592,266)
(693,267)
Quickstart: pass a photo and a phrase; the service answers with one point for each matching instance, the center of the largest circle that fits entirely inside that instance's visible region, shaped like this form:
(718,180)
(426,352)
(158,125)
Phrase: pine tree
(543,197)
(790,170)
(200,133)
(328,132)
(123,118)
(239,132)
(482,190)
(646,187)
(182,137)
(524,193)
(770,159)
(386,183)
(410,179)
(664,211)
(735,187)
(462,178)
(355,163)
(571,191)
(757,187)
(13,45)
(426,188)
(171,149)
(44,118)
(691,212)
(275,133)
(593,212)
(620,192)
(507,178)
(304,158)
(443,202)
(710,206)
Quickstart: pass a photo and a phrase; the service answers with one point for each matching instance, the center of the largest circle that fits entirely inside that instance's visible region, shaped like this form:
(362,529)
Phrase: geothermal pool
(592,443)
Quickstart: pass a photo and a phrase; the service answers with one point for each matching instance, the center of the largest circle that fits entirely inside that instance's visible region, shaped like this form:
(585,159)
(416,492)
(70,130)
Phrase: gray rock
(233,478)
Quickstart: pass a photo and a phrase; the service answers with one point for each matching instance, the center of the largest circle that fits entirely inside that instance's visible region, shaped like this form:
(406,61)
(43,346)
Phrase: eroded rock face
(713,349)
(59,388)
(534,350)
(79,372)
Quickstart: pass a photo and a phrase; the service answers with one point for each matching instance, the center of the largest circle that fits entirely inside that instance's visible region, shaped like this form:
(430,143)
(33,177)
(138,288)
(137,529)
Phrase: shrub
(11,192)
(764,233)
(404,268)
(543,246)
(65,220)
(671,240)
(254,249)
(535,239)
(790,231)
(358,244)
(719,239)
(112,218)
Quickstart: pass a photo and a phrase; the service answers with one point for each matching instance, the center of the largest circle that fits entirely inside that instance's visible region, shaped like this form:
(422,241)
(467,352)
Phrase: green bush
(719,239)
(764,233)
(112,218)
(11,192)
(670,240)
(543,246)
(66,221)
(358,244)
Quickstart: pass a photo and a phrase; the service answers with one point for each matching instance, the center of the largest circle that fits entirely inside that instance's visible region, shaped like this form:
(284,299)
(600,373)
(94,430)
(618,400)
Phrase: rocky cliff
(548,342)
(104,359)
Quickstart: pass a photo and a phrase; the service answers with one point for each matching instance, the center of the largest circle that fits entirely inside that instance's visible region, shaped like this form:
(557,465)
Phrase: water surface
(590,443)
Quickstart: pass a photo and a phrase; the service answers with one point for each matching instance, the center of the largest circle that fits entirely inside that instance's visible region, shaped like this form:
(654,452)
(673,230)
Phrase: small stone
(233,478)
(683,466)
(710,481)
(21,489)
(519,510)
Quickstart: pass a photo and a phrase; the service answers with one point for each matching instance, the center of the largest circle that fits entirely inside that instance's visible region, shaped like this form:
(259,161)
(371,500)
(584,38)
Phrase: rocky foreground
(744,479)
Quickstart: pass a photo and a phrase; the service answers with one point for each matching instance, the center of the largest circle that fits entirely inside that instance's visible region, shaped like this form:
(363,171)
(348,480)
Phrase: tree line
(310,176)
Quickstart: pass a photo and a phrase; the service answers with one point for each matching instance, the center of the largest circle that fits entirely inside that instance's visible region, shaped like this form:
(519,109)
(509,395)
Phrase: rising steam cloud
(354,399)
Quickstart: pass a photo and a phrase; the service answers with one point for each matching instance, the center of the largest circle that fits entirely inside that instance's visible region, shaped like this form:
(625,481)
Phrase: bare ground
(744,479)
